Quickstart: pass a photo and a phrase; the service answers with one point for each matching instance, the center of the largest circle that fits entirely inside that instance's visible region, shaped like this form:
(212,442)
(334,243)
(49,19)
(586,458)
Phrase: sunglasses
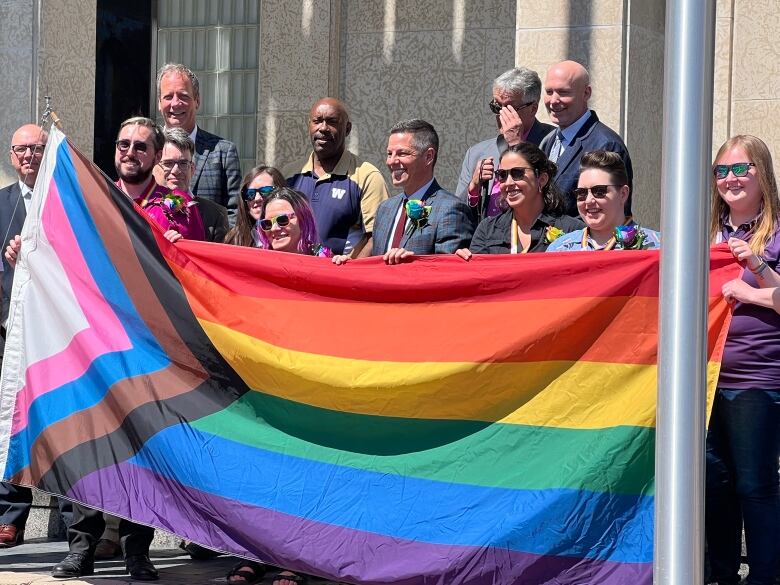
(599,192)
(125,145)
(517,173)
(282,220)
(496,108)
(737,169)
(167,165)
(21,149)
(250,194)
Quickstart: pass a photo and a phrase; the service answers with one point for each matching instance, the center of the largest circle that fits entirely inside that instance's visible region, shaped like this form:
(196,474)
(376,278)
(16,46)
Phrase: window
(218,40)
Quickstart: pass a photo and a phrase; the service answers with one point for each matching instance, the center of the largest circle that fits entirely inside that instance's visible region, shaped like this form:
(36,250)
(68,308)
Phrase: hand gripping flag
(434,422)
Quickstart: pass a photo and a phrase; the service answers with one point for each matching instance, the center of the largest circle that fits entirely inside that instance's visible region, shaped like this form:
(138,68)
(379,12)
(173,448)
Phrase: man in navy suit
(27,146)
(516,95)
(566,94)
(217,174)
(445,222)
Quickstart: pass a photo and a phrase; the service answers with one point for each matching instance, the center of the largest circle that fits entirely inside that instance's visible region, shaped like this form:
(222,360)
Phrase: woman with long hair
(534,216)
(287,224)
(258,182)
(743,439)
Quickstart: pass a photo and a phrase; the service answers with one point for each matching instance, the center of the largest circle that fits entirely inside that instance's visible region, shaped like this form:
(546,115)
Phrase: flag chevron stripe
(487,454)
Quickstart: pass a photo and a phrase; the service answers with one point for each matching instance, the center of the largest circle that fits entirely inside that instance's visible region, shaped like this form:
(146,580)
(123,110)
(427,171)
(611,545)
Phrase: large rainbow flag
(435,422)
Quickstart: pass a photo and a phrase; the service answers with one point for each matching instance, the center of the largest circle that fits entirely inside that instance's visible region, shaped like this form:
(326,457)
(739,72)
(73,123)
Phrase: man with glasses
(217,172)
(175,171)
(26,151)
(566,94)
(516,95)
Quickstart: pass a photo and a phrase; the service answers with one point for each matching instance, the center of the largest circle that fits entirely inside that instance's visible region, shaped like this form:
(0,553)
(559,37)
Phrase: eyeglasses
(598,191)
(738,170)
(125,145)
(21,149)
(250,194)
(495,107)
(517,173)
(282,220)
(167,165)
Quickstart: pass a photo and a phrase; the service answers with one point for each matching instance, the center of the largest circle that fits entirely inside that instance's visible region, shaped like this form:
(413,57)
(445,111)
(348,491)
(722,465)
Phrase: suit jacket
(450,224)
(493,147)
(11,222)
(594,135)
(215,219)
(217,171)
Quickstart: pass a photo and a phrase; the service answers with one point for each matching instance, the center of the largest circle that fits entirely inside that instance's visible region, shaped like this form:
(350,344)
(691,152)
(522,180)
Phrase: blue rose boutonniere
(630,237)
(418,213)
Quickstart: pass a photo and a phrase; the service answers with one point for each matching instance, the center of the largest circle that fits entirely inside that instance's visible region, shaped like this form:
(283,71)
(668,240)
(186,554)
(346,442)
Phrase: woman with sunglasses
(601,193)
(743,439)
(534,217)
(258,182)
(287,224)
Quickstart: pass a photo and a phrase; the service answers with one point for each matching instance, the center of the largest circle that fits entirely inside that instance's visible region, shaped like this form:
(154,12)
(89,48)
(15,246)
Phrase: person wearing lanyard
(743,439)
(601,194)
(534,218)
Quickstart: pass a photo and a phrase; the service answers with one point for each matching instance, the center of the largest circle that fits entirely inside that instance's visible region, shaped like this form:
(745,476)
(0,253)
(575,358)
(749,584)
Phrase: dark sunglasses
(738,169)
(599,191)
(496,108)
(126,145)
(517,173)
(250,194)
(282,220)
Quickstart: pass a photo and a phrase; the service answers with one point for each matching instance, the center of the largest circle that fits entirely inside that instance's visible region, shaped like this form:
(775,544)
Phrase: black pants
(88,525)
(15,503)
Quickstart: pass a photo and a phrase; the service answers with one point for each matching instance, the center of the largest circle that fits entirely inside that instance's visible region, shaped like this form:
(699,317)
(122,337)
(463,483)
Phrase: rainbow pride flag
(435,422)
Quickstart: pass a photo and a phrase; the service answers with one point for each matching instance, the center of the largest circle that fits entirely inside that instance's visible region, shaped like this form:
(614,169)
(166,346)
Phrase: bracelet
(760,268)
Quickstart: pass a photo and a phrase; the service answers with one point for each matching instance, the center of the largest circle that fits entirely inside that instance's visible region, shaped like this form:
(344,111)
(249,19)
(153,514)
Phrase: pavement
(30,563)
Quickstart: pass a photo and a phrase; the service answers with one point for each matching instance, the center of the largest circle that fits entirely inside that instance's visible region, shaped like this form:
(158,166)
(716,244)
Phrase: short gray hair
(520,81)
(424,135)
(180,139)
(182,70)
(157,135)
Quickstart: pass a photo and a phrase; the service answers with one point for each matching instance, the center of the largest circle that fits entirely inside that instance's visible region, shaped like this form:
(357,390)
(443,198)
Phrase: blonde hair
(758,154)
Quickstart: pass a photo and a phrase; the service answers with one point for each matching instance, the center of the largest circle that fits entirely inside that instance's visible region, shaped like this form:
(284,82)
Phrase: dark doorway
(122,71)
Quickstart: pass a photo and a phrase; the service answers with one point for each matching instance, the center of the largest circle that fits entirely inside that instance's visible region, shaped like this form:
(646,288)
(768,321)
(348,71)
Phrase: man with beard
(343,192)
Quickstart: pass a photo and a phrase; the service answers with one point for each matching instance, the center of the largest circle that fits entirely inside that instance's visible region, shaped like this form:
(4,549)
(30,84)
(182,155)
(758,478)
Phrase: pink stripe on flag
(87,345)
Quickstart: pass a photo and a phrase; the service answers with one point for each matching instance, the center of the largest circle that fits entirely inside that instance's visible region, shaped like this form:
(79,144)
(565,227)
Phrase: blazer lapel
(427,198)
(202,149)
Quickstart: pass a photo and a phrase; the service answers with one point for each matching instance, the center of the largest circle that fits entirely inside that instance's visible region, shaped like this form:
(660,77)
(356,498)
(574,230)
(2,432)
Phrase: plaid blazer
(449,227)
(217,171)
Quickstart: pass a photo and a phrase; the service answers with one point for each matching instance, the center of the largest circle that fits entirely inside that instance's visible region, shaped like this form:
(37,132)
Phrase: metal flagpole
(685,184)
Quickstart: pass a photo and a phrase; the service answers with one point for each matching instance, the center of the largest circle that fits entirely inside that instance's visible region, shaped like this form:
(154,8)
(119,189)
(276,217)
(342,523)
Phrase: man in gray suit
(516,95)
(440,223)
(27,146)
(217,174)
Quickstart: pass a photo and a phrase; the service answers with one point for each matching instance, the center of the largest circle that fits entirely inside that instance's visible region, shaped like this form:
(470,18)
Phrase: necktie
(399,228)
(557,148)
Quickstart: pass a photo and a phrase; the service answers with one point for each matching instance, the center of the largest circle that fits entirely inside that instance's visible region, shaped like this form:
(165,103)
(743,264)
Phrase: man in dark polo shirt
(343,191)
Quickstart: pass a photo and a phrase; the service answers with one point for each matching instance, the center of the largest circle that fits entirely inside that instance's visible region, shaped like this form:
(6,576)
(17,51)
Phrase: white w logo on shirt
(338,193)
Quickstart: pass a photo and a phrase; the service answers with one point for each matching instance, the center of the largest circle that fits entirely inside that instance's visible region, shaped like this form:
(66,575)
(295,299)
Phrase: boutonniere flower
(418,213)
(552,233)
(630,237)
(173,202)
(321,251)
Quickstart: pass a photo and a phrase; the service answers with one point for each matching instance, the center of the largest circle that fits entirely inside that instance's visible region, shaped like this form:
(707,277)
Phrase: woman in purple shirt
(743,440)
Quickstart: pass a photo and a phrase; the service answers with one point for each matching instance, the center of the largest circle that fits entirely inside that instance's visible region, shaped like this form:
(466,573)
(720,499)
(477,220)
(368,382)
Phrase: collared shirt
(494,234)
(570,132)
(187,221)
(194,134)
(344,201)
(416,195)
(26,195)
(572,242)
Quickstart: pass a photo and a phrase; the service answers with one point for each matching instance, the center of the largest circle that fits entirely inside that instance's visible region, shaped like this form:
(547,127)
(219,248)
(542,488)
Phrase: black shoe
(74,565)
(141,568)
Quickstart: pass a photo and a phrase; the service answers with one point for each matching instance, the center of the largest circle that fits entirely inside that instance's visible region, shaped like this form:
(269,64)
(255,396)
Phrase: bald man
(343,191)
(26,152)
(566,94)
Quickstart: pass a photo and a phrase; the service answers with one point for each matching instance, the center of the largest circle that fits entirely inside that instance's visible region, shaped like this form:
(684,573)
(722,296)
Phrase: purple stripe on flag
(297,543)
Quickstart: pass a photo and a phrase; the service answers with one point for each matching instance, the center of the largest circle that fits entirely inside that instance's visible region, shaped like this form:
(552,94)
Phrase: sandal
(290,576)
(248,573)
